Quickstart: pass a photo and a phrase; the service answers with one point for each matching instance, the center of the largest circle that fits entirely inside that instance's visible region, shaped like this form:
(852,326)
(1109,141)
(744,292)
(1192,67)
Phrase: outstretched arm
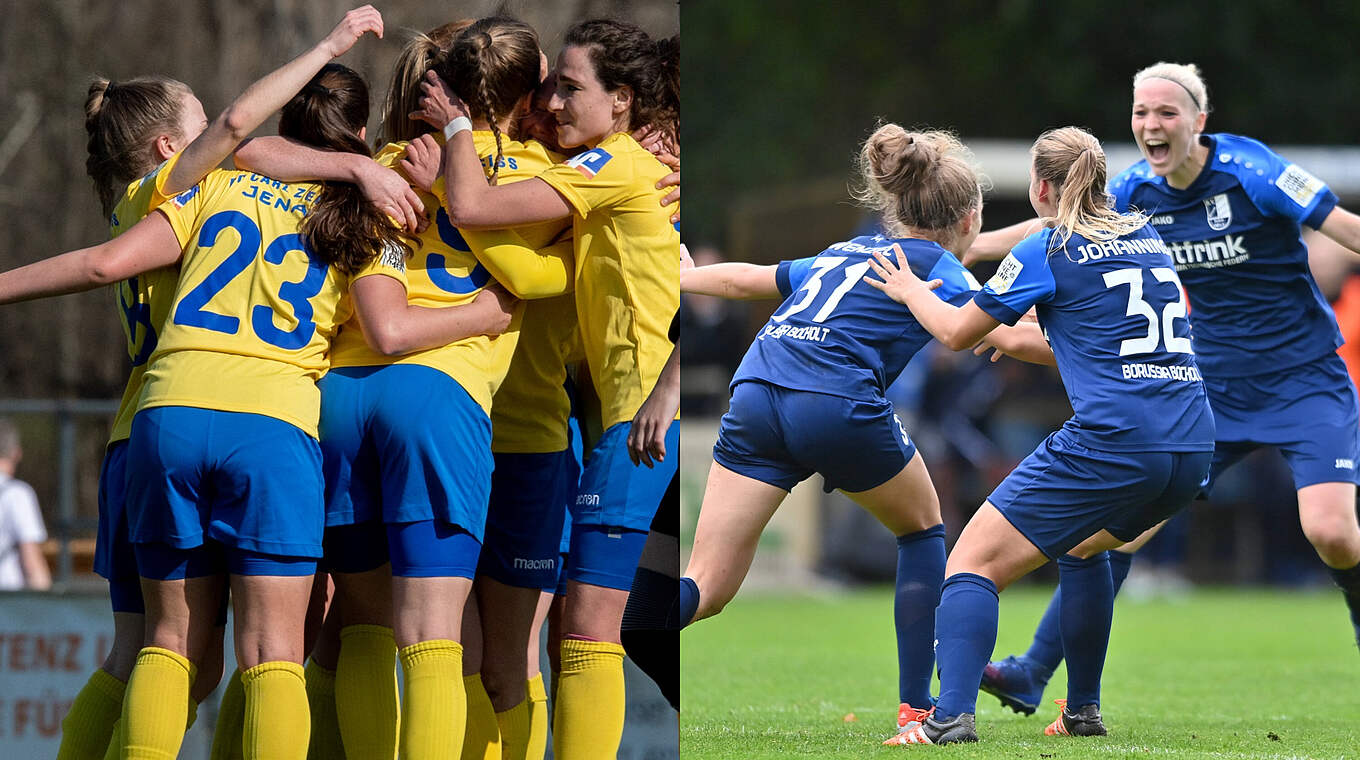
(994,245)
(393,327)
(956,327)
(1343,227)
(264,97)
(150,244)
(731,280)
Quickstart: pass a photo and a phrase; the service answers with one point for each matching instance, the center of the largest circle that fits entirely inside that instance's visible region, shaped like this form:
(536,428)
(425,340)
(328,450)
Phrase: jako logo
(1345,464)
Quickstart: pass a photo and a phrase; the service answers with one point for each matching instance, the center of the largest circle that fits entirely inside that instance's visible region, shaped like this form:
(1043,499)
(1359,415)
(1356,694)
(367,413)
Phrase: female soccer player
(809,395)
(422,462)
(612,79)
(1135,451)
(1230,210)
(149,139)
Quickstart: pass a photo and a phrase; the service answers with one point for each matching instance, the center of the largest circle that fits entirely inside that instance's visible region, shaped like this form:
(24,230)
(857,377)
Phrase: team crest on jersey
(1219,212)
(591,162)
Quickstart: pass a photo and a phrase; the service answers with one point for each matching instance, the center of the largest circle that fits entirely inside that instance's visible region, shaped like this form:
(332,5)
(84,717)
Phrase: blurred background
(781,94)
(63,363)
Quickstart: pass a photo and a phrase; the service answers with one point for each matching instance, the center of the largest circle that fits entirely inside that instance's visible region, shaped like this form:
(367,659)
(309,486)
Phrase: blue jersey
(1114,313)
(1234,235)
(839,335)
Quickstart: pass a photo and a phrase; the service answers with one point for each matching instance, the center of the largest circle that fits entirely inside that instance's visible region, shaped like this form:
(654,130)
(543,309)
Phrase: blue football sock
(1349,581)
(920,572)
(686,604)
(1087,611)
(966,622)
(1046,651)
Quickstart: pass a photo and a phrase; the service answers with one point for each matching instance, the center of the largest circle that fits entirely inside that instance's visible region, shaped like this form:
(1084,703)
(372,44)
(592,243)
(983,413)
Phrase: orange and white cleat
(908,717)
(1084,722)
(930,731)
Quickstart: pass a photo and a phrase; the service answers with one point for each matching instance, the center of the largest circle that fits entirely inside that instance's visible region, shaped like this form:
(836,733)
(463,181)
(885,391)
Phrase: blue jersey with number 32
(1234,237)
(1114,313)
(836,333)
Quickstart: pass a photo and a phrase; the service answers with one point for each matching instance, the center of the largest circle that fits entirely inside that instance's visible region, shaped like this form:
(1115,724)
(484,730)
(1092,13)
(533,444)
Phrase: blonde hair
(1184,74)
(923,180)
(123,120)
(1072,160)
(422,53)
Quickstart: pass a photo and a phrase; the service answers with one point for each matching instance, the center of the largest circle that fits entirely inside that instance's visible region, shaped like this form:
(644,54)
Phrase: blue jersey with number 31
(836,333)
(1114,313)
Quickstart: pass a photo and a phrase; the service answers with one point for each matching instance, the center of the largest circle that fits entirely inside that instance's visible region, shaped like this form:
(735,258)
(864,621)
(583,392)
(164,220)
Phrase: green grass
(1217,674)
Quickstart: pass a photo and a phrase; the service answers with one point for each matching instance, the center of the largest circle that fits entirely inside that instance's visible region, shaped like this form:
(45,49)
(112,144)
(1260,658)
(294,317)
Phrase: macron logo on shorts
(588,500)
(591,162)
(534,564)
(1345,464)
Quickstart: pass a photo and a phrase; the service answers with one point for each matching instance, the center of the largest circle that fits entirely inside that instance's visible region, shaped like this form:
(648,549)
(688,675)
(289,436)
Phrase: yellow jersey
(529,413)
(451,267)
(627,269)
(254,310)
(144,300)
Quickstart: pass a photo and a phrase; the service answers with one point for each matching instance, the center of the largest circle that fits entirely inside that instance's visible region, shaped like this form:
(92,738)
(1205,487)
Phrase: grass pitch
(1216,674)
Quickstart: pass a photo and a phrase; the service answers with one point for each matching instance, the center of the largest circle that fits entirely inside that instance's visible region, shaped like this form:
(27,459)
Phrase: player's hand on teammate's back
(391,194)
(354,25)
(897,278)
(505,306)
(423,161)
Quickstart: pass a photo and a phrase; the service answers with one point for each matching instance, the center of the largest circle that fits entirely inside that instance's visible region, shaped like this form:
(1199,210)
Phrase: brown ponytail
(341,228)
(492,65)
(421,54)
(1072,160)
(123,120)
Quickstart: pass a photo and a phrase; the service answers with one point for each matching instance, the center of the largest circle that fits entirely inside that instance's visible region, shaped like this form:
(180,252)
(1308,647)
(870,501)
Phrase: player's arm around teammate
(1052,507)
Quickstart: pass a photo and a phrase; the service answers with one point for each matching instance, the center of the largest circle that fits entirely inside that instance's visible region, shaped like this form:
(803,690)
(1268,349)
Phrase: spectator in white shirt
(22,534)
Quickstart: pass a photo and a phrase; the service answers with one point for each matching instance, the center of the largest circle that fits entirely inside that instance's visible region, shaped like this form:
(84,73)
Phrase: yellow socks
(435,704)
(325,744)
(482,738)
(155,705)
(589,720)
(277,720)
(366,698)
(231,716)
(514,726)
(536,743)
(88,726)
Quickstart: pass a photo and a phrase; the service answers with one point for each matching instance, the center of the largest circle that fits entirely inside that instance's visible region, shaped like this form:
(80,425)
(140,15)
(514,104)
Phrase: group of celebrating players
(1097,287)
(359,372)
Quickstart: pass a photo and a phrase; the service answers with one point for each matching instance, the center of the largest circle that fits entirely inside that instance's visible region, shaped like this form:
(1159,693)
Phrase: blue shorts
(1308,412)
(163,562)
(614,507)
(246,481)
(524,523)
(420,549)
(781,437)
(403,443)
(1064,493)
(114,559)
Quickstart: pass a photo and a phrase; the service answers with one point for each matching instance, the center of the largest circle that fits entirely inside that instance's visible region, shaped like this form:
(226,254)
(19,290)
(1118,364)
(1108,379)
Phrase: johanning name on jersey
(1114,313)
(1234,237)
(837,334)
